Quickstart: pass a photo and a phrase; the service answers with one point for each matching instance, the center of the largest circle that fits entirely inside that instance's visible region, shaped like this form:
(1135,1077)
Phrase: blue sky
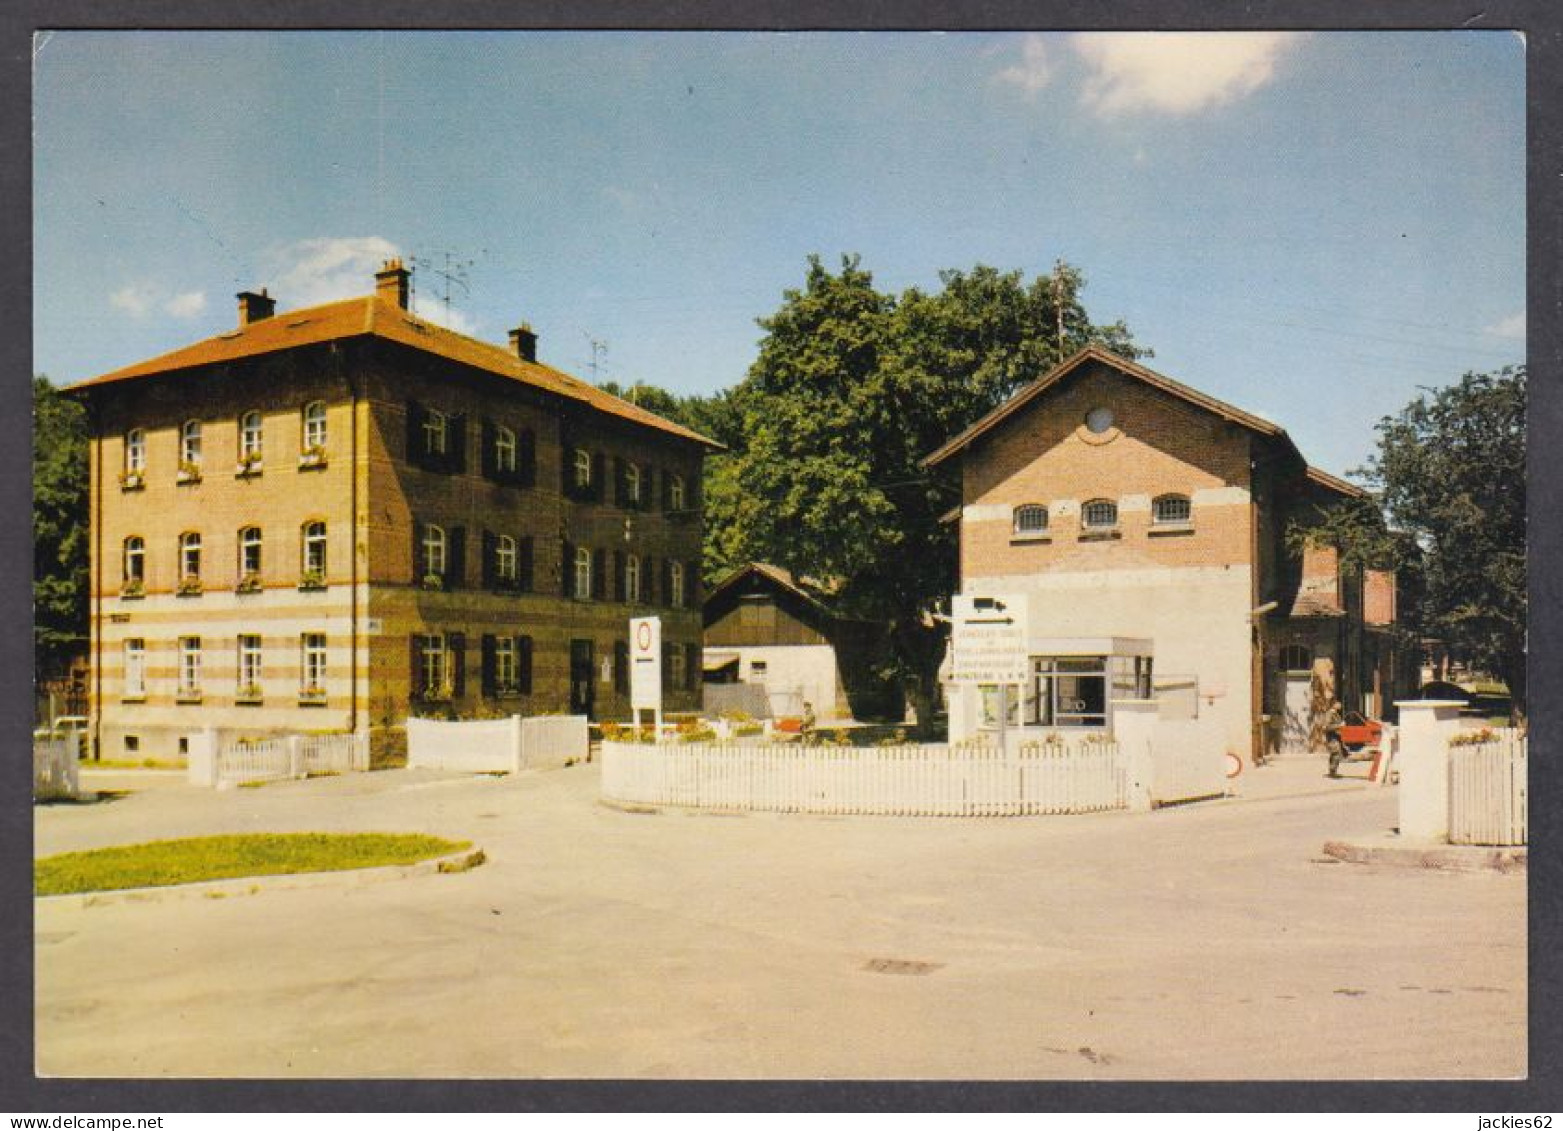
(1310,226)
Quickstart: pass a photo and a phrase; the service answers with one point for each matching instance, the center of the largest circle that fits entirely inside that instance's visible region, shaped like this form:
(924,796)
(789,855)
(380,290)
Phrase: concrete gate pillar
(1426,726)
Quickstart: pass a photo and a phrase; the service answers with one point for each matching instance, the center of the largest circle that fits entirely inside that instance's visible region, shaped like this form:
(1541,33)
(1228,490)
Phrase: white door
(1294,723)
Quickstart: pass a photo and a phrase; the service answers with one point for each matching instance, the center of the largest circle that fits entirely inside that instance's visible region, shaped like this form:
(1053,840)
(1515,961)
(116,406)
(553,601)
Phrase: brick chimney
(255,307)
(390,283)
(523,342)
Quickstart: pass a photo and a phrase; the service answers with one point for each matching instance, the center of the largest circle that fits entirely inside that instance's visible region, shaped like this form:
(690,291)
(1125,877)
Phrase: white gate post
(295,748)
(517,745)
(201,759)
(1134,725)
(1426,726)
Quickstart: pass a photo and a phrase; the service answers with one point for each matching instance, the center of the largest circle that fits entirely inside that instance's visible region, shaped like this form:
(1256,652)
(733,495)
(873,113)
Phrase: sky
(1311,226)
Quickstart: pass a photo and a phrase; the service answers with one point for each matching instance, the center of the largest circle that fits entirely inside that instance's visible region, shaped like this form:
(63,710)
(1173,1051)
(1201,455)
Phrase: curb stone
(462,861)
(1436,857)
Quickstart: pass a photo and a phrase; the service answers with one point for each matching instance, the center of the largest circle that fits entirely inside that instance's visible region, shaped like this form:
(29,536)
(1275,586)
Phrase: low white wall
(54,769)
(497,746)
(551,741)
(1170,760)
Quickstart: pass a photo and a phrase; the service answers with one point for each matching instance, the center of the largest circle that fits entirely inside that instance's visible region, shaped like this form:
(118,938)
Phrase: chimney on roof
(255,307)
(523,342)
(390,283)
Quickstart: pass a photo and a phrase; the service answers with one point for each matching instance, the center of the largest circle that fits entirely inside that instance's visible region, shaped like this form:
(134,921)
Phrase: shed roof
(373,316)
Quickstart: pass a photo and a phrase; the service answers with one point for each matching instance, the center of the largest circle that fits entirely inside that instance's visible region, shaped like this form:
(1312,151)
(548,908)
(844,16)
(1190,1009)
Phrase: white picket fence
(497,746)
(911,780)
(1489,797)
(293,756)
(54,768)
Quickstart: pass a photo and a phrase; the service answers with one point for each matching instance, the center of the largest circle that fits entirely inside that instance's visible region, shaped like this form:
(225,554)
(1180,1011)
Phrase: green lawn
(159,863)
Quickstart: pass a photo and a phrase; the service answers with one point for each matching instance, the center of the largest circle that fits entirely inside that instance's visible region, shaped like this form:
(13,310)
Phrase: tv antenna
(599,348)
(452,272)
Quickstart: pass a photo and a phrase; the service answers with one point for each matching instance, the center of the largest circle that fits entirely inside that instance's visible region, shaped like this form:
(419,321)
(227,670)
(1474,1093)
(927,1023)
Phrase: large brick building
(330,518)
(1145,523)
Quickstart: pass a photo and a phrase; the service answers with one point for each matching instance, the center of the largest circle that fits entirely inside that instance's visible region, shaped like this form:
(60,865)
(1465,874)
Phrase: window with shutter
(458,664)
(489,677)
(524,665)
(600,574)
(524,567)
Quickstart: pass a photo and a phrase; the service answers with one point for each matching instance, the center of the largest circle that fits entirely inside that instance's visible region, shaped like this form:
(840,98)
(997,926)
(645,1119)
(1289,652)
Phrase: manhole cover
(900,966)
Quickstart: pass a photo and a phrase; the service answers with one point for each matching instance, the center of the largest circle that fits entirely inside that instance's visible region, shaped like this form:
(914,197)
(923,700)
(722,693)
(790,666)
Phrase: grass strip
(161,863)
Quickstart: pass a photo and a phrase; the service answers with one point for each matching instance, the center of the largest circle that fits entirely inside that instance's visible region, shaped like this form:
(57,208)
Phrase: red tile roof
(370,316)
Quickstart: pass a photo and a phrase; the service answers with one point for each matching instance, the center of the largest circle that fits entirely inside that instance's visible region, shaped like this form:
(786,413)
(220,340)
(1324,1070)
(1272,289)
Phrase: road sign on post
(646,669)
(988,640)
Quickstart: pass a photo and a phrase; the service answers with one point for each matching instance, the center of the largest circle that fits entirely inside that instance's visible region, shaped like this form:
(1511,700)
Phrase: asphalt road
(1207,941)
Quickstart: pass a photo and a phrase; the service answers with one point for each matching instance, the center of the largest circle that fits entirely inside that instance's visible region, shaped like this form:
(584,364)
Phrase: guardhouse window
(1171,510)
(1099,514)
(1296,658)
(1030,518)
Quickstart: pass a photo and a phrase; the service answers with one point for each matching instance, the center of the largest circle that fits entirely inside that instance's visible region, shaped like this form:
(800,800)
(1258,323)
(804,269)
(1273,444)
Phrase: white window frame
(583,469)
(251,654)
(1181,501)
(583,572)
(507,670)
(1087,522)
(136,450)
(190,556)
(676,493)
(677,676)
(250,539)
(435,551)
(632,483)
(314,425)
(435,432)
(504,449)
(312,663)
(312,547)
(632,578)
(1021,527)
(189,666)
(436,667)
(252,434)
(135,558)
(676,584)
(190,443)
(506,558)
(135,656)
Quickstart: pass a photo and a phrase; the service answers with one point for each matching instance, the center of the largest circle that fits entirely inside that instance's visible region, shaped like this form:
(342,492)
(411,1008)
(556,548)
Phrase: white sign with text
(646,664)
(988,640)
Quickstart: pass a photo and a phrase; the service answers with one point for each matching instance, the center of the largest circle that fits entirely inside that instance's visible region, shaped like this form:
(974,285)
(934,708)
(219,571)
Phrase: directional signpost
(646,670)
(988,646)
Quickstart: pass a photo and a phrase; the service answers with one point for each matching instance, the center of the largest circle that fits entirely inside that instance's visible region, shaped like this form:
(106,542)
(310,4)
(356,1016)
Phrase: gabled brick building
(1145,522)
(329,518)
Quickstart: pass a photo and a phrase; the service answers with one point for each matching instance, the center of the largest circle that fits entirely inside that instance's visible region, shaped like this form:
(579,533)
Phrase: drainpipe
(95,628)
(352,663)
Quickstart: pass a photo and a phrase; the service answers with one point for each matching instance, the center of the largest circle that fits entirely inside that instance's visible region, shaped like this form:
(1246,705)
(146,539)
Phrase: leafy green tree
(851,388)
(59,528)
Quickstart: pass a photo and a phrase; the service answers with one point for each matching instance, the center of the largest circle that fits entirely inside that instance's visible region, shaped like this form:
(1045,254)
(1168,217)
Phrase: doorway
(581,682)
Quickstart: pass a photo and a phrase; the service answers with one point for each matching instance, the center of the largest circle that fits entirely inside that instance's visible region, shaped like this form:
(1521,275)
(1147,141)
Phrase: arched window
(190,556)
(676,584)
(434,432)
(1171,510)
(504,449)
(250,436)
(675,493)
(505,558)
(190,443)
(632,484)
(1030,518)
(583,469)
(632,578)
(583,572)
(135,559)
(135,450)
(313,558)
(1099,514)
(314,426)
(434,551)
(249,552)
(1296,658)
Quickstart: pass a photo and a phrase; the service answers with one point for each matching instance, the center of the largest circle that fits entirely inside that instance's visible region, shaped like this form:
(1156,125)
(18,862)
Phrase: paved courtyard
(1207,941)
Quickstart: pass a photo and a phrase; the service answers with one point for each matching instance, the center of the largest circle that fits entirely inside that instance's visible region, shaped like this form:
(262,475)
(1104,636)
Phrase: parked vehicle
(1354,740)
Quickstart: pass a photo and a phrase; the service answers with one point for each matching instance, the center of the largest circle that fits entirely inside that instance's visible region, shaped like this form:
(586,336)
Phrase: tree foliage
(59,527)
(852,387)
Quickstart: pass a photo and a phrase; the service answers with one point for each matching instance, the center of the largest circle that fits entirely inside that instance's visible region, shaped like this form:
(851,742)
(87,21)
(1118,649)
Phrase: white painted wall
(795,674)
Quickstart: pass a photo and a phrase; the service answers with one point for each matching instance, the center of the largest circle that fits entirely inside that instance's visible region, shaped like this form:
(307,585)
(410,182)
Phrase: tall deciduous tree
(851,388)
(59,528)
(1451,468)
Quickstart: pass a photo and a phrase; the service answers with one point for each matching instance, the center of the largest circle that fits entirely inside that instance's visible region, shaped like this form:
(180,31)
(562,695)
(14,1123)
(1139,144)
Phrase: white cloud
(431,309)
(1032,73)
(313,271)
(136,299)
(186,305)
(1176,72)
(1511,327)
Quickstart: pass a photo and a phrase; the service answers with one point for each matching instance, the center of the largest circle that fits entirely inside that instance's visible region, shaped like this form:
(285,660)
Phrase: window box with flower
(312,457)
(189,587)
(133,588)
(248,693)
(249,583)
(188,472)
(312,579)
(133,480)
(433,581)
(250,463)
(311,696)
